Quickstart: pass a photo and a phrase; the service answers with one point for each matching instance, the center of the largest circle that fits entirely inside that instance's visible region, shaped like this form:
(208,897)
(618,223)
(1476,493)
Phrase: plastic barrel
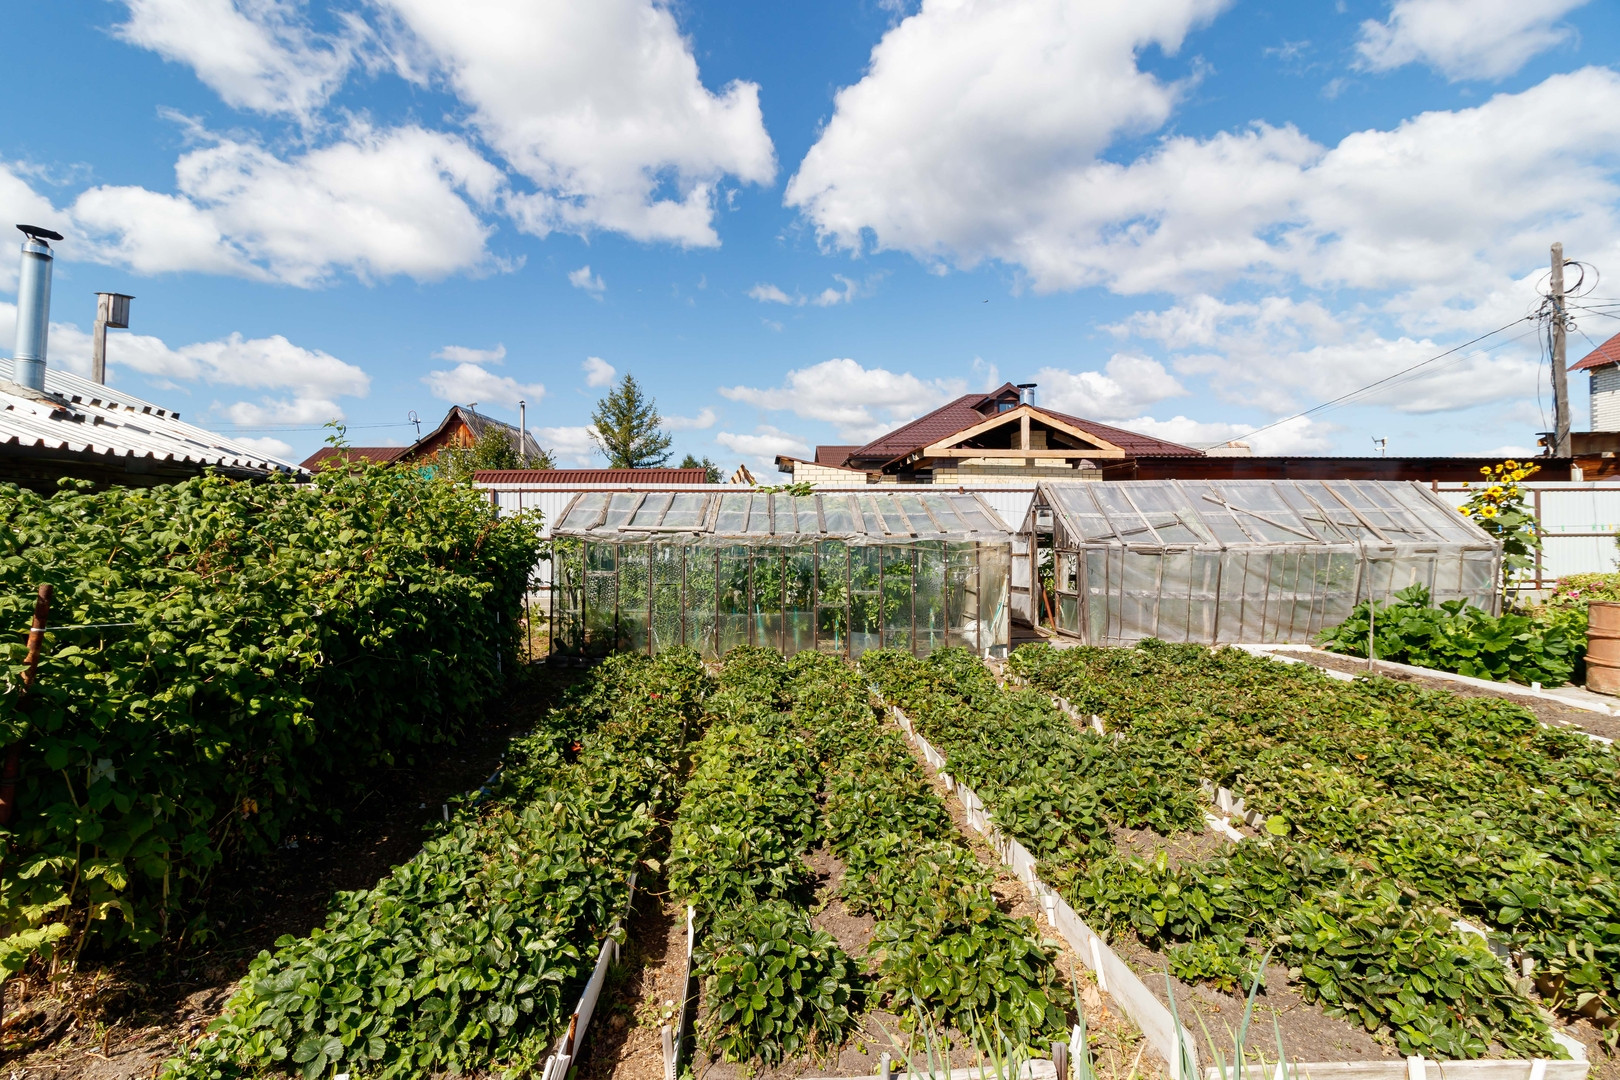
(1603,647)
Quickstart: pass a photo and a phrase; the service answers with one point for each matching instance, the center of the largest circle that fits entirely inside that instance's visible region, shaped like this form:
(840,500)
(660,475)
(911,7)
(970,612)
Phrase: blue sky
(806,223)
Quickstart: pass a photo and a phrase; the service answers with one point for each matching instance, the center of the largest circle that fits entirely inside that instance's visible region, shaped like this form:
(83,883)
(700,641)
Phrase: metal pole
(13,763)
(1560,378)
(523,432)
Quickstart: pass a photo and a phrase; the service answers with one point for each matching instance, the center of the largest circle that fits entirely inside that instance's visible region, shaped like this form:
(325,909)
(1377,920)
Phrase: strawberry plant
(943,949)
(776,986)
(469,956)
(1463,806)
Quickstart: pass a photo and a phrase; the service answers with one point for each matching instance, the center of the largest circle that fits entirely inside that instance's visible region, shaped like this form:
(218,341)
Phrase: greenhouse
(839,572)
(1254,561)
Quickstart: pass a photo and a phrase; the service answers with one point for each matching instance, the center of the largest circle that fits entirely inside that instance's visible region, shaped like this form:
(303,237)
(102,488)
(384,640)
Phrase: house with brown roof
(461,427)
(979,438)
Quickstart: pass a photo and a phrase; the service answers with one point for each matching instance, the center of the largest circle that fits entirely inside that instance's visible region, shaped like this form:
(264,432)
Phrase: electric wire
(1344,399)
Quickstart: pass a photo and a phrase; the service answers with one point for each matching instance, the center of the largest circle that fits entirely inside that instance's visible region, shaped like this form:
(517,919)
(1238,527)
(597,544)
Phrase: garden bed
(1069,790)
(1547,706)
(811,841)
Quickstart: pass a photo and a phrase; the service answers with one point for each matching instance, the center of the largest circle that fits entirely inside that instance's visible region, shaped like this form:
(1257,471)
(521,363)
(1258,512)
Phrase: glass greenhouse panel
(841,572)
(1261,561)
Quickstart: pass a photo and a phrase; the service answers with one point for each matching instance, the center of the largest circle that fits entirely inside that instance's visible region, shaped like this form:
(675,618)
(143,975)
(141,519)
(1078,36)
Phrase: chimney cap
(1026,385)
(37,232)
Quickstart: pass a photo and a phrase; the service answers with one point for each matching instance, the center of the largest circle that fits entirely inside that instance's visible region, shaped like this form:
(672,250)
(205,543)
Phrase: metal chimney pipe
(523,432)
(1026,393)
(33,308)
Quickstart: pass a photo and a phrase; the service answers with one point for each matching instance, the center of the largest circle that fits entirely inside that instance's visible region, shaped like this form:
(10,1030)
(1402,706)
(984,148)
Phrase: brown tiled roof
(591,476)
(834,456)
(380,454)
(1602,356)
(963,413)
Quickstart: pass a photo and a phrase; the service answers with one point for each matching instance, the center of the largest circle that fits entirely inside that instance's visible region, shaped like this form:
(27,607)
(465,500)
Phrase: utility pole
(1560,378)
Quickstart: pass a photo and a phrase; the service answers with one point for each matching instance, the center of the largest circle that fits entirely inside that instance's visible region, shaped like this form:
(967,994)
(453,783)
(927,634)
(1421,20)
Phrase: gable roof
(1602,356)
(478,424)
(965,412)
(328,454)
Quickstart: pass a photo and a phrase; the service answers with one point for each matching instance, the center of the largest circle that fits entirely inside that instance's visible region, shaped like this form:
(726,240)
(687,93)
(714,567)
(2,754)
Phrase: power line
(294,427)
(1343,398)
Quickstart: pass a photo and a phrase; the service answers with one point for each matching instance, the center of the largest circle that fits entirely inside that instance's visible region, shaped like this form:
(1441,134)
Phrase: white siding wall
(1606,398)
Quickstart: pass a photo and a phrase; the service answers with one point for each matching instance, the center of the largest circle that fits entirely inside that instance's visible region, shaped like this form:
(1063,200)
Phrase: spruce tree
(627,428)
(691,461)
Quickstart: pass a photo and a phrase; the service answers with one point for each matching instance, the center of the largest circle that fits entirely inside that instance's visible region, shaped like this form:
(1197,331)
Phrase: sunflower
(1487,511)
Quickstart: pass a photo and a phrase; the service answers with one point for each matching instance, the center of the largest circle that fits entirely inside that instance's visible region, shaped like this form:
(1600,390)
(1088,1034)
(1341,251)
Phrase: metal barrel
(1603,647)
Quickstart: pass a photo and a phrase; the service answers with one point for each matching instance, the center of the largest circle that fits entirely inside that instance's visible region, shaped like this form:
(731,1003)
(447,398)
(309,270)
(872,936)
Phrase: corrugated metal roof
(1602,356)
(591,476)
(86,418)
(963,413)
(380,454)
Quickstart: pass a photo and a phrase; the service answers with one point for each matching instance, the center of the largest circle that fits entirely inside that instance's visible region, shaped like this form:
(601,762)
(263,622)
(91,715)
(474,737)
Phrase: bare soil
(120,1018)
(643,993)
(1549,712)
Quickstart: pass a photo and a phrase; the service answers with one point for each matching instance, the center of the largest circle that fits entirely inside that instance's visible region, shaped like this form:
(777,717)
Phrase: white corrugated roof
(92,419)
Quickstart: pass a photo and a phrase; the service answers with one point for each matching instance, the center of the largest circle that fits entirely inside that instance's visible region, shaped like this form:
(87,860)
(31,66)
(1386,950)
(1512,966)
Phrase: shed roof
(1602,356)
(101,423)
(591,476)
(326,455)
(760,517)
(1225,513)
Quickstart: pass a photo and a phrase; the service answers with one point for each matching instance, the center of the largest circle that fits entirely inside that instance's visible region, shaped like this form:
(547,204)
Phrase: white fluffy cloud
(300,412)
(19,202)
(378,203)
(1126,386)
(601,106)
(266,445)
(767,293)
(308,380)
(461,354)
(763,444)
(572,445)
(705,419)
(974,115)
(598,372)
(1464,39)
(846,291)
(1006,165)
(1297,436)
(862,402)
(583,279)
(255,54)
(1283,355)
(473,382)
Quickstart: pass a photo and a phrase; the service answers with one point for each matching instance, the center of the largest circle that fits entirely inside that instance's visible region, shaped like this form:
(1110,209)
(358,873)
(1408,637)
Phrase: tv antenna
(417,420)
(1381,443)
